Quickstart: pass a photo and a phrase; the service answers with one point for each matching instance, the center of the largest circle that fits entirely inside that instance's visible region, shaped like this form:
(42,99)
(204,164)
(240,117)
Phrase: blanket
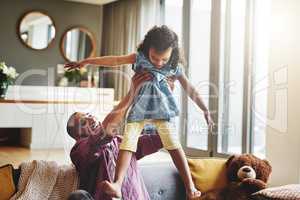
(287,192)
(46,180)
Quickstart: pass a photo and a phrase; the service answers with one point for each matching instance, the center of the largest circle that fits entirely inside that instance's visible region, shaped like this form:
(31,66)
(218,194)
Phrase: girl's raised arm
(105,61)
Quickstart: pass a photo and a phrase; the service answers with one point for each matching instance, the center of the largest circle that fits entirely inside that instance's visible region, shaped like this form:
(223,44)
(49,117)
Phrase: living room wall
(65,15)
(283,138)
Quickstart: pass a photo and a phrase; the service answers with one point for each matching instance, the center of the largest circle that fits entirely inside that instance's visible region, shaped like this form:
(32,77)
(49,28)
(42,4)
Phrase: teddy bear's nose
(247,170)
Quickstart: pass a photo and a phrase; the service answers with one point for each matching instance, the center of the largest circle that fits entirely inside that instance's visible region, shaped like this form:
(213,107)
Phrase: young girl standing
(159,55)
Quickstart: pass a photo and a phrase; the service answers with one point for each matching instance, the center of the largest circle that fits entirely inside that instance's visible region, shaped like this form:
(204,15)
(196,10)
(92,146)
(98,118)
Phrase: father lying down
(97,145)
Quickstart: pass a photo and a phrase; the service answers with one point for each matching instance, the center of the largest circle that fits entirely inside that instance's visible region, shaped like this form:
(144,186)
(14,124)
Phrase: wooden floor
(17,155)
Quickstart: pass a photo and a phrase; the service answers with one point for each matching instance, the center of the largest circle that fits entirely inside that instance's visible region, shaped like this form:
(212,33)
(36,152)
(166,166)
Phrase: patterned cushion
(259,197)
(287,192)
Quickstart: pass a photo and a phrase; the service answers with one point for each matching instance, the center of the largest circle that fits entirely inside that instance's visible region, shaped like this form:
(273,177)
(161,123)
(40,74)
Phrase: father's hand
(112,121)
(137,81)
(171,82)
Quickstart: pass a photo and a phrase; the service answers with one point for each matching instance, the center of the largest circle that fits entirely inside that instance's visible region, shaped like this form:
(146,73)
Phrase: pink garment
(95,160)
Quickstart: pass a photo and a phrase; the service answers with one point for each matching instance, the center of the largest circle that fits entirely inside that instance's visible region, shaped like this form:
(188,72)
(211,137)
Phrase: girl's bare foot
(193,194)
(112,189)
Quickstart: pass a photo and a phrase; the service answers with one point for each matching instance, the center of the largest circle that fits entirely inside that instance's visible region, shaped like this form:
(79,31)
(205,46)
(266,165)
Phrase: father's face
(86,124)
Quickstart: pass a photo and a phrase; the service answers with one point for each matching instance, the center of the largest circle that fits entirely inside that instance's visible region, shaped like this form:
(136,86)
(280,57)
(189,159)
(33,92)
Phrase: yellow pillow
(7,186)
(208,174)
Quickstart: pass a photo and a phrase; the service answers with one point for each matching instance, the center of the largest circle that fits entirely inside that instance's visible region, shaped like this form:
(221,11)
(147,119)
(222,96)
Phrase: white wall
(283,131)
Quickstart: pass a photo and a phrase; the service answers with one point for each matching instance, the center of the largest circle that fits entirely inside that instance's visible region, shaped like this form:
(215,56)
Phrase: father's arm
(112,121)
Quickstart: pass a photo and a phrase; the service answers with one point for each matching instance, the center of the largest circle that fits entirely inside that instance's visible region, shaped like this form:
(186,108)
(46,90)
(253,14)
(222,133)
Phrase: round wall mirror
(36,30)
(77,43)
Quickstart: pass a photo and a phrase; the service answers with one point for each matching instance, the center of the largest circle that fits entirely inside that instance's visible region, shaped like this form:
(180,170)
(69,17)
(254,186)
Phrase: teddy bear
(246,175)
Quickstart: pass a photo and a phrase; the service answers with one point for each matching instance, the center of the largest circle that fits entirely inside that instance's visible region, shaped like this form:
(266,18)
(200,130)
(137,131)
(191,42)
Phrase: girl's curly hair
(161,38)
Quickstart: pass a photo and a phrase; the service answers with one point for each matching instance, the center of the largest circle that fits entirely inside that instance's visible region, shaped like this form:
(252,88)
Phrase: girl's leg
(127,147)
(167,132)
(181,164)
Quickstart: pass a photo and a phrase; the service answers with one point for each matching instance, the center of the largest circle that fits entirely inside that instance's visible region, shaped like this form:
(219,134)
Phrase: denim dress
(155,99)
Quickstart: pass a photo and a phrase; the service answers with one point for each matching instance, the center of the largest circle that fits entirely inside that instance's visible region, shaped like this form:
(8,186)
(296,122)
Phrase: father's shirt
(95,160)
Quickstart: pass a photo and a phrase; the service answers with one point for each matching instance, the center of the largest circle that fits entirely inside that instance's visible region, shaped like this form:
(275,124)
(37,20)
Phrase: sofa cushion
(208,174)
(163,181)
(7,186)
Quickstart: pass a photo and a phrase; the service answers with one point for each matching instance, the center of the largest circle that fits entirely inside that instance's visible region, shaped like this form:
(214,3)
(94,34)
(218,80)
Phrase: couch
(162,181)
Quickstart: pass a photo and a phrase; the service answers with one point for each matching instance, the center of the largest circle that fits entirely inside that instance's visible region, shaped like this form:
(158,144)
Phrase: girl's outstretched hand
(209,120)
(74,65)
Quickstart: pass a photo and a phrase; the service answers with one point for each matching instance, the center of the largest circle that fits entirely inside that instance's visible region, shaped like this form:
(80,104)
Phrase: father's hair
(72,127)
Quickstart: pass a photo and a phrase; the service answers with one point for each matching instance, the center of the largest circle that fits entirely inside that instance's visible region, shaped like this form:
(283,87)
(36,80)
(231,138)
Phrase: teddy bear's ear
(230,159)
(232,167)
(268,165)
(264,171)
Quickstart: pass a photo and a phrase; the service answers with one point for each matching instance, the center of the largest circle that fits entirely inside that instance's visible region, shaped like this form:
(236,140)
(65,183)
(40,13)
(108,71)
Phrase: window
(173,16)
(224,41)
(243,68)
(199,65)
(260,65)
(173,19)
(232,77)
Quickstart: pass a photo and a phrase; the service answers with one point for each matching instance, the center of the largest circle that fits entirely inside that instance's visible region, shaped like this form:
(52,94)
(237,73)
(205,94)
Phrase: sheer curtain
(151,13)
(124,25)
